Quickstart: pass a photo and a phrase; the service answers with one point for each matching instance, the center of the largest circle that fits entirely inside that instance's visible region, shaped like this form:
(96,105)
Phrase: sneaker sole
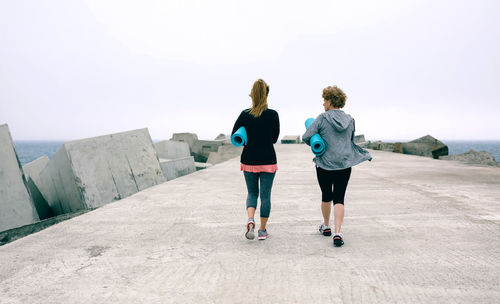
(326,232)
(250,231)
(338,243)
(261,238)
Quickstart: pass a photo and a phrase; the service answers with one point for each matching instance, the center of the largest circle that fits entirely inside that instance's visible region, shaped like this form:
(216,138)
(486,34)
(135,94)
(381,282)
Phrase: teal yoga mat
(239,138)
(317,143)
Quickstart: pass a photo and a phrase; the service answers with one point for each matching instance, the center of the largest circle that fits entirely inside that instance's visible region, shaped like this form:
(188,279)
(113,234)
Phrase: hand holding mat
(317,143)
(239,138)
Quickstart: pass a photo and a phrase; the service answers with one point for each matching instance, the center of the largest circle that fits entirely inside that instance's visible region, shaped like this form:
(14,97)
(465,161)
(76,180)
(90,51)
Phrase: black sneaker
(338,239)
(325,230)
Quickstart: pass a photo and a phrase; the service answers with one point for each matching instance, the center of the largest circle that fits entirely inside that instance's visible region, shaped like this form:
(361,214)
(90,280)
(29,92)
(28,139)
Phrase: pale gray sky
(76,69)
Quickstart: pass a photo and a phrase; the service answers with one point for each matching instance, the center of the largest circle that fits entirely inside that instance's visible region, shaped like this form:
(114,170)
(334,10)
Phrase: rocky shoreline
(429,146)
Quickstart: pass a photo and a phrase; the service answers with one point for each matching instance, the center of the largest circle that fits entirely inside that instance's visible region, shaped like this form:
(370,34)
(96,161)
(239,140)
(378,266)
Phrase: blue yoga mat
(239,138)
(317,143)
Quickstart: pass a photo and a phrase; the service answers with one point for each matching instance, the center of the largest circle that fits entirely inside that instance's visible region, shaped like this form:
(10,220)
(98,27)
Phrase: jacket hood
(338,119)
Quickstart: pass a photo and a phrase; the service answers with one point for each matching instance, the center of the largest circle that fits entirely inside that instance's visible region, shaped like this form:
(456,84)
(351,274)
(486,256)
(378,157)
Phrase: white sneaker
(250,229)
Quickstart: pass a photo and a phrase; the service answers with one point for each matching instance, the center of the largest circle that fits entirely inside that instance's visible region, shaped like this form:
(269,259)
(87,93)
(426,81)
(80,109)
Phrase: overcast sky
(77,69)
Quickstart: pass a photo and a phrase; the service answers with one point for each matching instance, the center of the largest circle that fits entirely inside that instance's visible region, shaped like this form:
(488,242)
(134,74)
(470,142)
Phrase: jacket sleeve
(238,124)
(276,128)
(313,129)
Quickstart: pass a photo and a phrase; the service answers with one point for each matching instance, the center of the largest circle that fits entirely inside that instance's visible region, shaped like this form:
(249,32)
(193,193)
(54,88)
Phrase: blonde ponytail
(259,93)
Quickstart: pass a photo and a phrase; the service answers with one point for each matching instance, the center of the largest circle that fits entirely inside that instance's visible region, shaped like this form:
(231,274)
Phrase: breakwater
(416,230)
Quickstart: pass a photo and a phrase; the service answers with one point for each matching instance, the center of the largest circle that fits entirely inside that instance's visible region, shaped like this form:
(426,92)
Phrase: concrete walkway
(417,230)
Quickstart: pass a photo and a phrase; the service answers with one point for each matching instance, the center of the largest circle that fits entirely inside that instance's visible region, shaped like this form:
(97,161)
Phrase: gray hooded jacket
(336,128)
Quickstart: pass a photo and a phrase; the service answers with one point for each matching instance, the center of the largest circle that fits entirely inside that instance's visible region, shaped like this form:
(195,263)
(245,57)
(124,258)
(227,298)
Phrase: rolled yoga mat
(317,143)
(239,138)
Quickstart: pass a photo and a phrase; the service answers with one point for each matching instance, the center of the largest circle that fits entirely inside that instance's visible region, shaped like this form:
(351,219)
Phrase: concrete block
(34,168)
(32,173)
(222,136)
(171,149)
(291,139)
(92,172)
(16,205)
(201,149)
(174,168)
(359,139)
(200,166)
(188,138)
(424,146)
(225,137)
(379,145)
(42,207)
(224,153)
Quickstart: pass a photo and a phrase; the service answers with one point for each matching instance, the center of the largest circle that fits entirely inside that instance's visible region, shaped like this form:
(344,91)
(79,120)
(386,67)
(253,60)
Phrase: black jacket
(262,133)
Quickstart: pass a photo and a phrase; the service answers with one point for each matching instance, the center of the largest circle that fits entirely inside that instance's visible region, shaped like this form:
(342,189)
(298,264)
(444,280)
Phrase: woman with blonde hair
(333,168)
(258,159)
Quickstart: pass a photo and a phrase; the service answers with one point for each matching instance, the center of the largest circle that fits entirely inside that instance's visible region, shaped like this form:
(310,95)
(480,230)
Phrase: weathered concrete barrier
(379,145)
(201,166)
(188,138)
(32,173)
(16,205)
(423,146)
(34,168)
(201,149)
(361,141)
(225,152)
(174,168)
(474,158)
(92,172)
(291,139)
(42,207)
(359,138)
(171,149)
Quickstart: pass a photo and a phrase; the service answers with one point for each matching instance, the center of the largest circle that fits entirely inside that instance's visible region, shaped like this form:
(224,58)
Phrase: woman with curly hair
(258,159)
(333,168)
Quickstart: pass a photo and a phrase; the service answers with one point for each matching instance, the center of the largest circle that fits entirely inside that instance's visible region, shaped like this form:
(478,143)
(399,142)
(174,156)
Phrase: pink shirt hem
(261,168)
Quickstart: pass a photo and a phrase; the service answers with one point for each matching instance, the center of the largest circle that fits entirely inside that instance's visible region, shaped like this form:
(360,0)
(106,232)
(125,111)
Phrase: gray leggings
(266,183)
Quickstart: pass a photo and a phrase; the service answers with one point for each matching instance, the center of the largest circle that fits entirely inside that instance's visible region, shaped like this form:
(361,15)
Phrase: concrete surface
(417,230)
(32,173)
(171,149)
(359,139)
(16,205)
(174,168)
(201,149)
(291,139)
(188,138)
(34,168)
(423,146)
(43,209)
(224,153)
(92,172)
(202,166)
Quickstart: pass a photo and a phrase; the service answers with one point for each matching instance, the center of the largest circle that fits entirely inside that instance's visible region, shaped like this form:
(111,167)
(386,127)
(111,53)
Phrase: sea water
(463,146)
(29,150)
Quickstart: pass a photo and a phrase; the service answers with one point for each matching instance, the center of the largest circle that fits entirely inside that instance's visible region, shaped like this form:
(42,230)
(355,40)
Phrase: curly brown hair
(335,96)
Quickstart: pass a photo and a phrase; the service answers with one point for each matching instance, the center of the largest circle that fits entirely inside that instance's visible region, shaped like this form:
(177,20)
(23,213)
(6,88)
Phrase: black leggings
(333,184)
